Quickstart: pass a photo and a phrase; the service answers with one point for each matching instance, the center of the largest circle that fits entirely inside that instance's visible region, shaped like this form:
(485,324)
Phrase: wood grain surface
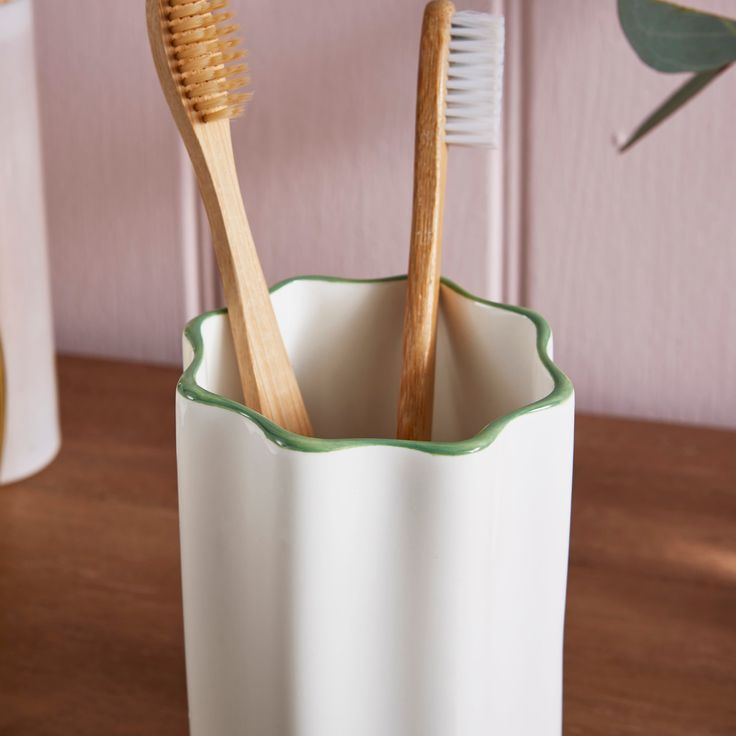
(421,310)
(266,375)
(90,593)
(90,599)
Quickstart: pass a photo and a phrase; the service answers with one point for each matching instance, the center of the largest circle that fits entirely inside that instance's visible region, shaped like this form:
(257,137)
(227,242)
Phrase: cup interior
(344,340)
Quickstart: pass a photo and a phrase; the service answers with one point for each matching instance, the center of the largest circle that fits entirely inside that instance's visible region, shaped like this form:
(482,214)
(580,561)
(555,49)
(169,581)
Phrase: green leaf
(693,85)
(670,38)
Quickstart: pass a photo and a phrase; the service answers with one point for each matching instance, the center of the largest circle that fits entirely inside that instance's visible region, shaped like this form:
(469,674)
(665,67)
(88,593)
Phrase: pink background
(631,258)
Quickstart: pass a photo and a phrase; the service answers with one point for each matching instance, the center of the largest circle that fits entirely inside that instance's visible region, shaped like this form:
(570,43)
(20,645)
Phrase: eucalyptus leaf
(670,38)
(693,85)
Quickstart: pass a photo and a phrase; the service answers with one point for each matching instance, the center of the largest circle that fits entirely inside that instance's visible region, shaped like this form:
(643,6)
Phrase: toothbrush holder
(354,584)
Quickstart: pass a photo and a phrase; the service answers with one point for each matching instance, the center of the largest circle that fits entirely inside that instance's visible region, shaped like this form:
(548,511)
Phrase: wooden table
(90,609)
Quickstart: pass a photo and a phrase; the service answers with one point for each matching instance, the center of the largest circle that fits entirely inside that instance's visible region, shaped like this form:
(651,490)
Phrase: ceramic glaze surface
(29,423)
(375,587)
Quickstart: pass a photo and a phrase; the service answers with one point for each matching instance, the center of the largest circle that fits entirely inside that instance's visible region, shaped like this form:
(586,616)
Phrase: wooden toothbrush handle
(266,375)
(416,393)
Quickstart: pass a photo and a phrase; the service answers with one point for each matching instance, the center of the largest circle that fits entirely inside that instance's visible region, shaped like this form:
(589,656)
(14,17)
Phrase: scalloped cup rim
(189,388)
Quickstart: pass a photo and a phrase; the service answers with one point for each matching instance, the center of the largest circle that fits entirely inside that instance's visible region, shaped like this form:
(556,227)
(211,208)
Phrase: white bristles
(475,79)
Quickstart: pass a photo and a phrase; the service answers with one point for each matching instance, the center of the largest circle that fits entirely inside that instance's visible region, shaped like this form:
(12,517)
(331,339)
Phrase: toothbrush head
(475,79)
(201,57)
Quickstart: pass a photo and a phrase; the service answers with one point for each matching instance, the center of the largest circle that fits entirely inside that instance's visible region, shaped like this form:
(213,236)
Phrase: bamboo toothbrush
(458,102)
(194,59)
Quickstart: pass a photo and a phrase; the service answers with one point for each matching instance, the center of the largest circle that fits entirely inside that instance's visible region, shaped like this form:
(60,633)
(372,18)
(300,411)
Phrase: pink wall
(326,148)
(632,258)
(111,182)
(324,153)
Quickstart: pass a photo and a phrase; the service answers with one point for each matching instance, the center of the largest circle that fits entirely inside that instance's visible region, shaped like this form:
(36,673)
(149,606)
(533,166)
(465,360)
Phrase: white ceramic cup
(29,421)
(376,587)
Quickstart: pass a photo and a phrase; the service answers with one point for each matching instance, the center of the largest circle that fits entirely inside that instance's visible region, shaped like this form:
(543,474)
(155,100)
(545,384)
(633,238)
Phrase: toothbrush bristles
(475,79)
(203,58)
